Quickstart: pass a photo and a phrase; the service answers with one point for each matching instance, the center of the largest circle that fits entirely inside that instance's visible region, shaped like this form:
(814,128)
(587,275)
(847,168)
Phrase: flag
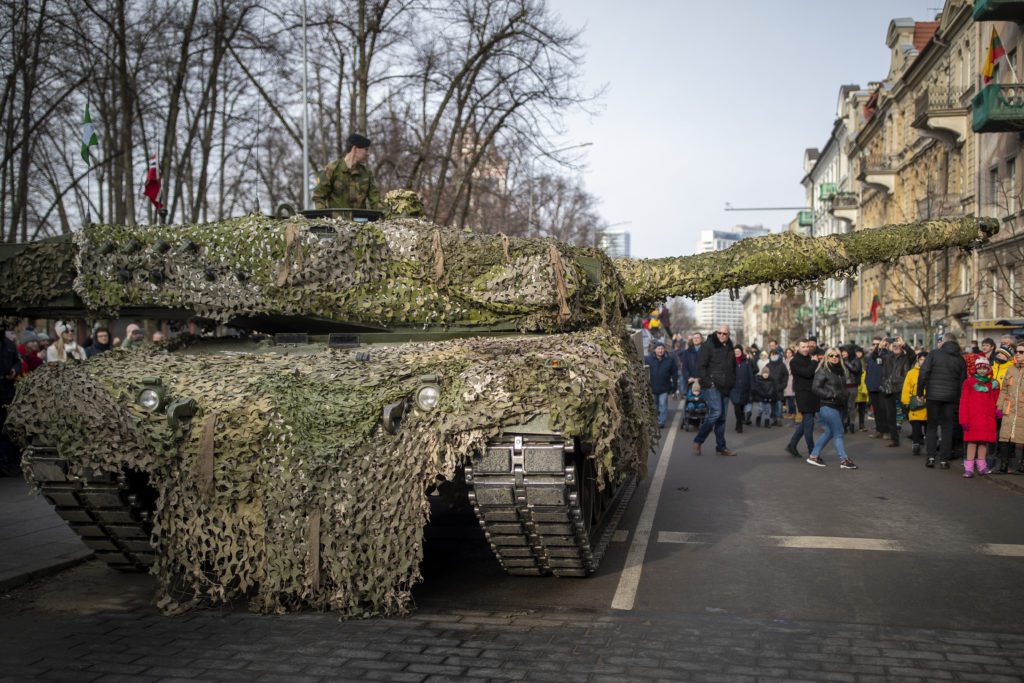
(89,137)
(876,304)
(995,53)
(152,186)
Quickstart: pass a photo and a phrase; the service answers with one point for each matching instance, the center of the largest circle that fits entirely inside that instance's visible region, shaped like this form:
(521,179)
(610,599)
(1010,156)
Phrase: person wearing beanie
(664,378)
(348,182)
(28,349)
(979,409)
(65,346)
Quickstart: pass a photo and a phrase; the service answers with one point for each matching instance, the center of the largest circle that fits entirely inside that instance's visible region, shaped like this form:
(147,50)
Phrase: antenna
(259,116)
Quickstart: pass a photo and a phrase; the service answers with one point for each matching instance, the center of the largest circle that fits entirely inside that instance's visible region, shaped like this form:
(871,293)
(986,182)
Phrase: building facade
(615,243)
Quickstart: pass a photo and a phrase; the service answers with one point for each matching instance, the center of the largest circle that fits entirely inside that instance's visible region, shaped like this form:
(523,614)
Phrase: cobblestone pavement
(123,638)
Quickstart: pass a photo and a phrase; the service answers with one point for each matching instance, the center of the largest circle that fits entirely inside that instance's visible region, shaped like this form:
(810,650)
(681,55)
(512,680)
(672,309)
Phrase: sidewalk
(34,541)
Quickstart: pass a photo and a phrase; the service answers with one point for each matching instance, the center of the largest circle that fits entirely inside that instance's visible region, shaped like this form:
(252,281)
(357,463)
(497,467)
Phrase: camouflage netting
(786,259)
(287,450)
(402,272)
(39,272)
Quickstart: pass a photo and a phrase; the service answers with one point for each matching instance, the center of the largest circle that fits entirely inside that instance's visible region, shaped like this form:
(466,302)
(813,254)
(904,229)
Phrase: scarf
(983,384)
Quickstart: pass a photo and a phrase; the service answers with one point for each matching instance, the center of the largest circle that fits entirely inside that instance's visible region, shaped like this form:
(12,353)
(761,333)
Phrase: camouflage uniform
(342,187)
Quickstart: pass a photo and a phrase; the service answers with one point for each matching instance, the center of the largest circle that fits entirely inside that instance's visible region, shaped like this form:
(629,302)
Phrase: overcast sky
(711,102)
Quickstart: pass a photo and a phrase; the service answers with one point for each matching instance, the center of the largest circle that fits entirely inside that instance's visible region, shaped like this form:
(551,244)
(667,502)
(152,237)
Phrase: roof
(923,32)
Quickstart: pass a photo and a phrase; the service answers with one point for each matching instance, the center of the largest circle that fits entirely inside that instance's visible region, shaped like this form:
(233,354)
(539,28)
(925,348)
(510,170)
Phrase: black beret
(357,140)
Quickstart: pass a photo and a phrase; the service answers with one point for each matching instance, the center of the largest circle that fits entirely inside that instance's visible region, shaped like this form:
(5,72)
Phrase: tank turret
(403,357)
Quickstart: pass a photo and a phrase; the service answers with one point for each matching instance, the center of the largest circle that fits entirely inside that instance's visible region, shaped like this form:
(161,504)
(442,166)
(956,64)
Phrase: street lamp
(529,215)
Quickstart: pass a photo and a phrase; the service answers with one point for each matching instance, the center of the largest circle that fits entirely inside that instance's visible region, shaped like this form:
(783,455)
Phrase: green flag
(89,137)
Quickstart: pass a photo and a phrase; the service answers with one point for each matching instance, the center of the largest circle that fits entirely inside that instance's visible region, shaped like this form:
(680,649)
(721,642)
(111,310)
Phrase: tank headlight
(427,397)
(149,399)
(152,395)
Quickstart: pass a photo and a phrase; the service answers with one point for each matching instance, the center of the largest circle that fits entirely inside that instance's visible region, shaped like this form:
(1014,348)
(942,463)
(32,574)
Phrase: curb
(1010,482)
(9,583)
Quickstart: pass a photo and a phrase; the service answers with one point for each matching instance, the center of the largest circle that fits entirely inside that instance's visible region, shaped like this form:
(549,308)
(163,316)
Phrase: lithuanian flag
(995,53)
(876,304)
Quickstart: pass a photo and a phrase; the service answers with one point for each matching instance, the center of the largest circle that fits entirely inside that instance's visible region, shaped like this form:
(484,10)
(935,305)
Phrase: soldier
(348,182)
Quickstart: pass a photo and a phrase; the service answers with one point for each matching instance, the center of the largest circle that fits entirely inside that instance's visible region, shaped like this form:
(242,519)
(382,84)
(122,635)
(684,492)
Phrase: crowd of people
(957,402)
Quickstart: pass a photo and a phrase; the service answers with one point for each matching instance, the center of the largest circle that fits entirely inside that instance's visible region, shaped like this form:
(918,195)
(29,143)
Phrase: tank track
(108,511)
(537,501)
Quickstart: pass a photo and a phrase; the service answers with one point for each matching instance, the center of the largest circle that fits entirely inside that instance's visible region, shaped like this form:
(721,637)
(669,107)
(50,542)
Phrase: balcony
(845,206)
(940,114)
(998,108)
(998,10)
(826,191)
(805,219)
(877,172)
(939,206)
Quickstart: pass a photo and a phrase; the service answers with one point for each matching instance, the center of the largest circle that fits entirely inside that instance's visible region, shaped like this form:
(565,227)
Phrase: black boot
(758,420)
(916,450)
(748,418)
(930,462)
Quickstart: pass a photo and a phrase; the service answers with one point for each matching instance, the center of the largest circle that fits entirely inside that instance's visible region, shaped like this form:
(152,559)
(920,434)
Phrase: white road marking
(836,543)
(620,536)
(1004,549)
(681,537)
(629,580)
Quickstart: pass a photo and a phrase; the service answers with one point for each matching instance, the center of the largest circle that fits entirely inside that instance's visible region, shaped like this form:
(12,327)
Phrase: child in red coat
(979,400)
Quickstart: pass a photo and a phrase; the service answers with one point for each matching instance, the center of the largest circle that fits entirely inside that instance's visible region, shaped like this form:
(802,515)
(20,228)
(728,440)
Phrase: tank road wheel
(537,500)
(112,513)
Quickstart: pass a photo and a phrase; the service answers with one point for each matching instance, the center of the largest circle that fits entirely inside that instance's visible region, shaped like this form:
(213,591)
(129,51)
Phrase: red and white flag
(152,188)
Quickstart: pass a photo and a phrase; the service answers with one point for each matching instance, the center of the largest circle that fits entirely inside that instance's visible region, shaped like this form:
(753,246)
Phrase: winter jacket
(788,391)
(1011,401)
(894,370)
(873,369)
(854,369)
(764,389)
(803,367)
(740,393)
(978,410)
(779,374)
(690,357)
(10,362)
(829,387)
(943,374)
(909,390)
(94,348)
(716,365)
(663,373)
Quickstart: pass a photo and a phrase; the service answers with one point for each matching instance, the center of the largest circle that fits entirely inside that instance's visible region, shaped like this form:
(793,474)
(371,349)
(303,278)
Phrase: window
(1011,185)
(1014,296)
(965,274)
(993,275)
(993,187)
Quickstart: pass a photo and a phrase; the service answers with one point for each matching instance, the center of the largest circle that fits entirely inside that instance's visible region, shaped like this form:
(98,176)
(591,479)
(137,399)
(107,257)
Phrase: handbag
(916,403)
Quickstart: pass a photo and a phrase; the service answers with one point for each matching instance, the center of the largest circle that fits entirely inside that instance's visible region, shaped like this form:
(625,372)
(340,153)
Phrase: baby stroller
(695,409)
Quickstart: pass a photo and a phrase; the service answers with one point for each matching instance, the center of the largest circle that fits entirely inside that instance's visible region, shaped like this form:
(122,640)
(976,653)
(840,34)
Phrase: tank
(383,361)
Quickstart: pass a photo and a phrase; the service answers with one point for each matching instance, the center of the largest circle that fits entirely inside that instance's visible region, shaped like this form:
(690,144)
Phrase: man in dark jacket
(664,376)
(716,368)
(940,381)
(895,367)
(690,356)
(802,366)
(874,373)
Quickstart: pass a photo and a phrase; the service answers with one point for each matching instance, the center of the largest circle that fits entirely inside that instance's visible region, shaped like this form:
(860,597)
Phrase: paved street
(758,567)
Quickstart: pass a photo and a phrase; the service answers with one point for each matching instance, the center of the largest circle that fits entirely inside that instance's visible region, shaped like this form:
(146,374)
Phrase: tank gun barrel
(788,259)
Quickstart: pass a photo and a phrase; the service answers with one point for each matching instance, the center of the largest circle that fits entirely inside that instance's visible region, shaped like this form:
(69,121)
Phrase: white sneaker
(816,461)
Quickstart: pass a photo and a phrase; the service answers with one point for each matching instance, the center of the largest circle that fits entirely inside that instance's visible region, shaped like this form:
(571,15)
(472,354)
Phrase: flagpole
(305,116)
